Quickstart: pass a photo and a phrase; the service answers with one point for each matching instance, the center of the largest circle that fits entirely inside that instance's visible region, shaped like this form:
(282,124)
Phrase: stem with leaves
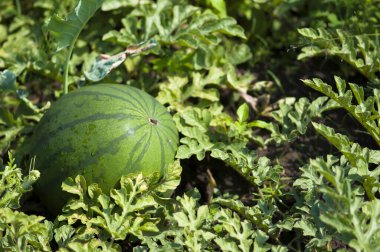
(66,31)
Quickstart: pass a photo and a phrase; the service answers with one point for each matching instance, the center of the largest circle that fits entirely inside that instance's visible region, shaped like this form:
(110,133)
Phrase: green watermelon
(101,132)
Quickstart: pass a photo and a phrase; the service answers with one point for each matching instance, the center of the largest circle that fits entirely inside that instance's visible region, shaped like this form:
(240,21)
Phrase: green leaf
(171,179)
(308,228)
(103,65)
(187,34)
(66,31)
(226,25)
(241,231)
(202,58)
(293,117)
(243,112)
(194,221)
(357,223)
(7,81)
(8,135)
(77,186)
(239,54)
(220,6)
(125,211)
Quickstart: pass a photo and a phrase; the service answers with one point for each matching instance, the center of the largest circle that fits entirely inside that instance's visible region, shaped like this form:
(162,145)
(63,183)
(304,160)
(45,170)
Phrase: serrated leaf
(181,219)
(360,51)
(364,112)
(307,227)
(20,231)
(171,179)
(293,117)
(75,186)
(13,184)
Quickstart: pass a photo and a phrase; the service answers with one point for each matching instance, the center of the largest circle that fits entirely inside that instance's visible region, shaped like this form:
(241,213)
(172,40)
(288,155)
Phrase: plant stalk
(18,7)
(66,69)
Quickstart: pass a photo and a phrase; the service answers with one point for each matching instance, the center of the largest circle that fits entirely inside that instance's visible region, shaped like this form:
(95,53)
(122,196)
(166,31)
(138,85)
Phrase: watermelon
(101,132)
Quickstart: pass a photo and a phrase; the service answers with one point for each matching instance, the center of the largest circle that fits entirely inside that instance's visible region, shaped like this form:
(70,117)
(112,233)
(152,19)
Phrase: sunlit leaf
(105,63)
(67,30)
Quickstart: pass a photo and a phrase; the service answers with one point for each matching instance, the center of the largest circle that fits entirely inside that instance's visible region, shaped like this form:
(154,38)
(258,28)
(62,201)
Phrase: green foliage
(19,231)
(13,184)
(103,65)
(124,212)
(22,232)
(7,81)
(332,196)
(136,213)
(364,110)
(293,117)
(67,31)
(360,51)
(228,73)
(172,23)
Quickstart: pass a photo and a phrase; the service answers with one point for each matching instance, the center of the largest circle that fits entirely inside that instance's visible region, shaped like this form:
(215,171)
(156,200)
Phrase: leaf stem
(66,68)
(18,7)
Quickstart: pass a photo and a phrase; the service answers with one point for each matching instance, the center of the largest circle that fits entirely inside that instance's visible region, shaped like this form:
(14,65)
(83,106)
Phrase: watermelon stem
(153,121)
(66,70)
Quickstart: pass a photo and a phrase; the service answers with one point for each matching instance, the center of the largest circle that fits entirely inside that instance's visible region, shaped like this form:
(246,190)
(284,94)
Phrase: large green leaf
(66,31)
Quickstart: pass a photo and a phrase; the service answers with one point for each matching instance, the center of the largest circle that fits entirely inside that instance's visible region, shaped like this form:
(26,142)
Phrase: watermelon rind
(102,132)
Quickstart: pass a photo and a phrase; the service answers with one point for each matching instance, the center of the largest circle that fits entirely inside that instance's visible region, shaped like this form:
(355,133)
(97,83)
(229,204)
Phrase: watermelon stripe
(143,151)
(154,104)
(144,101)
(131,96)
(109,148)
(136,148)
(163,113)
(91,93)
(145,105)
(170,129)
(49,116)
(112,147)
(88,119)
(162,147)
(169,138)
(168,134)
(166,119)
